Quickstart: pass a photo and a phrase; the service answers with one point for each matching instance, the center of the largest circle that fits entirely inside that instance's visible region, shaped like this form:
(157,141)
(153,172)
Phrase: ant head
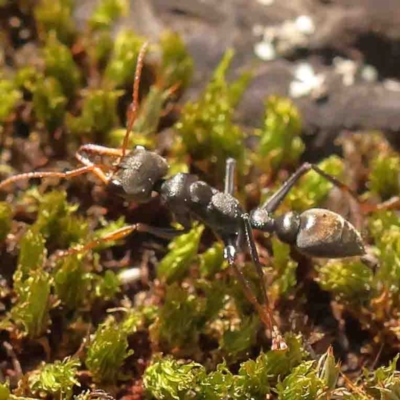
(137,173)
(262,220)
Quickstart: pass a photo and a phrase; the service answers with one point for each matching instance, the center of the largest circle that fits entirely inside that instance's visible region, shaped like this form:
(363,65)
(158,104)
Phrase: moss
(183,250)
(121,66)
(31,311)
(384,177)
(280,141)
(10,96)
(349,280)
(206,126)
(312,189)
(107,352)
(98,116)
(60,65)
(56,379)
(58,222)
(49,103)
(187,304)
(107,12)
(55,18)
(5,220)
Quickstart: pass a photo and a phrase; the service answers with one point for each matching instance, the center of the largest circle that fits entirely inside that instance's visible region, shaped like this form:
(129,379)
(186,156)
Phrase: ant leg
(132,111)
(120,234)
(230,176)
(277,339)
(96,150)
(277,198)
(55,174)
(230,254)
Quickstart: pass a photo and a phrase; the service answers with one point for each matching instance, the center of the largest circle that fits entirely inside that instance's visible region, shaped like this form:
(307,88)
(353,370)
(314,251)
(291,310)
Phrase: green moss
(107,286)
(384,382)
(107,352)
(54,17)
(284,268)
(70,282)
(176,65)
(183,250)
(57,220)
(168,379)
(237,340)
(349,280)
(280,141)
(56,379)
(60,65)
(212,260)
(384,177)
(31,311)
(302,383)
(107,12)
(4,391)
(121,67)
(385,229)
(32,254)
(150,111)
(49,103)
(98,116)
(116,137)
(180,319)
(10,96)
(312,189)
(206,126)
(6,215)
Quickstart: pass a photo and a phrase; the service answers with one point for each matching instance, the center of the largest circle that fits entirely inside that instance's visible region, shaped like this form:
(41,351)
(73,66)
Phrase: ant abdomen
(320,233)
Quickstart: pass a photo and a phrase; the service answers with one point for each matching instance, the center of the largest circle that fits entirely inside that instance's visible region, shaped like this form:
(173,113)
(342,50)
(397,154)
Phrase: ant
(137,174)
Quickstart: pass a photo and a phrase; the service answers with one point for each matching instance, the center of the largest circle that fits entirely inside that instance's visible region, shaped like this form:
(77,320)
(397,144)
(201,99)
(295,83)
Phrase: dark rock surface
(364,31)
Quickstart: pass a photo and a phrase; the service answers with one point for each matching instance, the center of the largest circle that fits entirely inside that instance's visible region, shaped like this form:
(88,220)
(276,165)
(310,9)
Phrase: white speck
(266,2)
(306,81)
(392,85)
(305,24)
(369,73)
(129,276)
(265,51)
(346,68)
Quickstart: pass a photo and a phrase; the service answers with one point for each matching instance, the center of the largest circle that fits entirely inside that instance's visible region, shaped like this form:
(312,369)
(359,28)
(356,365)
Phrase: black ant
(139,173)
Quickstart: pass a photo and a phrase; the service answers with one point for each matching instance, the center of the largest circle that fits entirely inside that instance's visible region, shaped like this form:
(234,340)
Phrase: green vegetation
(182,328)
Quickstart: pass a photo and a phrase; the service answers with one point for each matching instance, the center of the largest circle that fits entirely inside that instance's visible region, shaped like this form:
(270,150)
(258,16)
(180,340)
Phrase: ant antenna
(132,110)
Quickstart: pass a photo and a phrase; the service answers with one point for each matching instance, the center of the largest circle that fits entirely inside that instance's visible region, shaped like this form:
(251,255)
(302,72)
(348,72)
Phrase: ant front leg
(119,234)
(277,198)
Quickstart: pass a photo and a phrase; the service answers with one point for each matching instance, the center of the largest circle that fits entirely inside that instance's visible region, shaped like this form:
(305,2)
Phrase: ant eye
(116,188)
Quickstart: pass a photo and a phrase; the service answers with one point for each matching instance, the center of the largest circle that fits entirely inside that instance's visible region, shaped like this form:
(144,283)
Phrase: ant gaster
(138,174)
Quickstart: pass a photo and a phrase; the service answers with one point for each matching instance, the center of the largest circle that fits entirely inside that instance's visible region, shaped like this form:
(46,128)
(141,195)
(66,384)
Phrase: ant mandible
(139,173)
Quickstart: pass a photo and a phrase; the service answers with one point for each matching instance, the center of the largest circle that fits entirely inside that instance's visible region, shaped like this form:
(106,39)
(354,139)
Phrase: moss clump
(49,103)
(280,141)
(107,352)
(10,96)
(98,116)
(183,250)
(60,65)
(206,126)
(56,379)
(5,220)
